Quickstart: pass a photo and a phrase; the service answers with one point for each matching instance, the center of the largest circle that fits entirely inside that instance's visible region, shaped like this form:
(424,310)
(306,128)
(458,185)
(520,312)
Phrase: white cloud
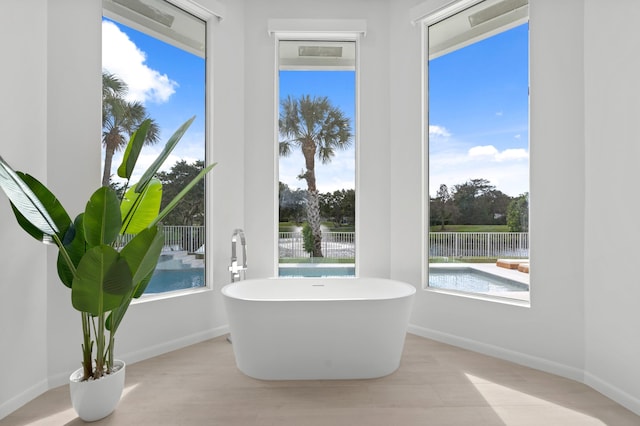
(512,155)
(507,170)
(123,58)
(491,153)
(438,131)
(483,151)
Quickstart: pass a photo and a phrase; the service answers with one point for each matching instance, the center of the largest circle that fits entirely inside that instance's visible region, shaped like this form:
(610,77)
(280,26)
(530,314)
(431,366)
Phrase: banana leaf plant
(103,273)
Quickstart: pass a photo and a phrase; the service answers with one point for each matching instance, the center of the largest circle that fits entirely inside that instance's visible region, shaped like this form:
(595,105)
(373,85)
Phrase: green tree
(518,214)
(442,209)
(120,118)
(190,211)
(339,206)
(292,203)
(307,238)
(318,128)
(499,204)
(479,203)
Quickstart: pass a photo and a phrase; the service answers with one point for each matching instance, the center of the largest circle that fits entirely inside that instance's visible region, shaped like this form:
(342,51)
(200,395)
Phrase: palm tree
(120,118)
(318,128)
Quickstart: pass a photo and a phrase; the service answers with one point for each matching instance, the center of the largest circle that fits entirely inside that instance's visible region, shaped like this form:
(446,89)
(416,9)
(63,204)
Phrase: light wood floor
(436,384)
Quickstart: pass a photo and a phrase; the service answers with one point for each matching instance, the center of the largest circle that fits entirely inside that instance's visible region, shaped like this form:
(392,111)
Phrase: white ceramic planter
(96,399)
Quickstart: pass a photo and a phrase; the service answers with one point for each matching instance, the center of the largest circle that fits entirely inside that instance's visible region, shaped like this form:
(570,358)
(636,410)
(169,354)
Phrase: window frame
(315,30)
(208,16)
(425,15)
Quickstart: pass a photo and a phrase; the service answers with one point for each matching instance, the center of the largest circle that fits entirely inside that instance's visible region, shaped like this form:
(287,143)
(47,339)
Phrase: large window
(478,148)
(153,66)
(317,158)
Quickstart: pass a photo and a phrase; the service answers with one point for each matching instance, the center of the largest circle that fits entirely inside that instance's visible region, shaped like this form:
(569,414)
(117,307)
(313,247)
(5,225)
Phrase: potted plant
(103,272)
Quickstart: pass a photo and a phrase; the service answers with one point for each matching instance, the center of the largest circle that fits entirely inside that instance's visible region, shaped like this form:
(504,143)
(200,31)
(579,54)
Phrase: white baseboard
(502,353)
(21,399)
(577,374)
(618,395)
(164,347)
(150,352)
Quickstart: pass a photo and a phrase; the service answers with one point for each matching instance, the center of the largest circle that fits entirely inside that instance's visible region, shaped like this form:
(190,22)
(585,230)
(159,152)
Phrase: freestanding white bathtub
(325,328)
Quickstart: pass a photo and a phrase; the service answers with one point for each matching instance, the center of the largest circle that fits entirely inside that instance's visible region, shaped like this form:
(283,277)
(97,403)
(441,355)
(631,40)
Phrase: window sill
(525,303)
(171,294)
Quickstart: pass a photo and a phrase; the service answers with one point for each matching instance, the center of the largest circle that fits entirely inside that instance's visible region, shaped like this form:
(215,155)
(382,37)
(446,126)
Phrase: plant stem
(87,346)
(110,351)
(65,254)
(100,340)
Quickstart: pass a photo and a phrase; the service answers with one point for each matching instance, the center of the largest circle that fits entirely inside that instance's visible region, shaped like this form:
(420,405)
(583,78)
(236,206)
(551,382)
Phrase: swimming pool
(316,270)
(176,271)
(175,279)
(472,280)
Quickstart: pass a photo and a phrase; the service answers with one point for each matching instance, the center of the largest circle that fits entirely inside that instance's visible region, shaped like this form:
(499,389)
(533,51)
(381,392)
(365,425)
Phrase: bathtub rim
(408,289)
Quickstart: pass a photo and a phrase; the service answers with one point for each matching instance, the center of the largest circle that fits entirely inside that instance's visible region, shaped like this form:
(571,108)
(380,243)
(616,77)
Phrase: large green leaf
(155,166)
(173,203)
(142,285)
(75,246)
(139,210)
(26,201)
(116,316)
(103,278)
(133,149)
(142,252)
(51,204)
(102,220)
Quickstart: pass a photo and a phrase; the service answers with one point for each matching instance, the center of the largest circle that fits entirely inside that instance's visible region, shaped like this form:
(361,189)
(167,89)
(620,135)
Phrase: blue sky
(339,87)
(168,80)
(478,107)
(478,114)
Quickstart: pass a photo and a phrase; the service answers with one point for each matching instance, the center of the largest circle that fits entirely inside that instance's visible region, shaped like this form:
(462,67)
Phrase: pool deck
(493,269)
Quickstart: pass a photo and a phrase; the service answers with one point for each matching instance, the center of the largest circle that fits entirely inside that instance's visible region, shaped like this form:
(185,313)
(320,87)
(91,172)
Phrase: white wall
(582,322)
(260,116)
(612,228)
(583,318)
(73,97)
(261,102)
(548,334)
(23,261)
(50,113)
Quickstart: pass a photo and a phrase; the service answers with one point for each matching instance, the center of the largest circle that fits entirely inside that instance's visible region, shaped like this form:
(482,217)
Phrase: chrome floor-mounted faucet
(237,271)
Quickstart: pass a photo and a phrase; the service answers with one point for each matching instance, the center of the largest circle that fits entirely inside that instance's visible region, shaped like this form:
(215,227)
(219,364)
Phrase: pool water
(175,279)
(460,279)
(321,271)
(472,280)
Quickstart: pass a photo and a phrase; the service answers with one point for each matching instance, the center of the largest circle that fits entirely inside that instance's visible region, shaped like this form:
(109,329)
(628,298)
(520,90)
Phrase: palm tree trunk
(108,159)
(313,216)
(313,204)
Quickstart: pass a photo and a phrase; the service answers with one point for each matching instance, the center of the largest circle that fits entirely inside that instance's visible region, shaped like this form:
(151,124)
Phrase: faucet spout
(237,271)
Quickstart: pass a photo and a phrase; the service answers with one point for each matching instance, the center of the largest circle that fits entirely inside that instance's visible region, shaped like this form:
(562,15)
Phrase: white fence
(335,245)
(340,245)
(188,238)
(179,238)
(479,244)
